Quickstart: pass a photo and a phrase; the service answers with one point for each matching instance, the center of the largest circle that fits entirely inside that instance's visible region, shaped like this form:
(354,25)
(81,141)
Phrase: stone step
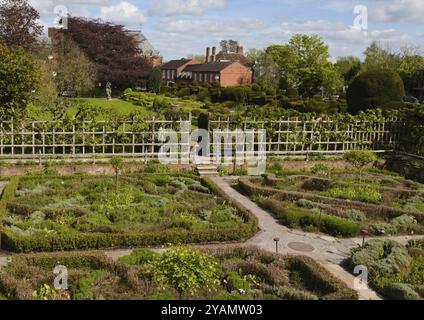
(207,171)
(207,167)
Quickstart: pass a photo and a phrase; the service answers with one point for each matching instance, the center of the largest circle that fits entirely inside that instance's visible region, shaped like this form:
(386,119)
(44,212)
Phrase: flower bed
(54,213)
(242,273)
(286,199)
(395,272)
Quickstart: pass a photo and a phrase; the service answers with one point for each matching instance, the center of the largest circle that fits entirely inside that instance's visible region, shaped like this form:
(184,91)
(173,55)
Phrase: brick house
(233,71)
(173,69)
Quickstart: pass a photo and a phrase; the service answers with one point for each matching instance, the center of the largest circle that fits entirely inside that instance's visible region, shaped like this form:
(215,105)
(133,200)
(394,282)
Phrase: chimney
(213,59)
(240,50)
(208,53)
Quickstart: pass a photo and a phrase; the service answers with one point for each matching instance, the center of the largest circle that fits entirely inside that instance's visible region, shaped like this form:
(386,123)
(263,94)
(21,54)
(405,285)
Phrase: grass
(104,106)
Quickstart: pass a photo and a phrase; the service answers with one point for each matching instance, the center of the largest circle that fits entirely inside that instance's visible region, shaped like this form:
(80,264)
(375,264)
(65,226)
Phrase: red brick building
(235,70)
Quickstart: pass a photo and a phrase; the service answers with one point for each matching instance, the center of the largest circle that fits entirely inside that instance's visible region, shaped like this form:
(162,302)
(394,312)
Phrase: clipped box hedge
(379,211)
(83,241)
(333,225)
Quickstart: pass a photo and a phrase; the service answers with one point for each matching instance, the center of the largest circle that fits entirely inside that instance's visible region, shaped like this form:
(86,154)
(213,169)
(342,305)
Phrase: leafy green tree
(379,58)
(18,78)
(186,270)
(264,67)
(305,65)
(359,159)
(375,89)
(155,79)
(348,67)
(408,70)
(117,164)
(75,72)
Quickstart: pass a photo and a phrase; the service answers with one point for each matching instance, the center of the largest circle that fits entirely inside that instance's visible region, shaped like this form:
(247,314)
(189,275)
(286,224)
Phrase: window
(163,74)
(200,77)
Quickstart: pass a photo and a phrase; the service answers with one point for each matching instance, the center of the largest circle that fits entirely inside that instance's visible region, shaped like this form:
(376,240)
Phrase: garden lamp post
(364,233)
(276,240)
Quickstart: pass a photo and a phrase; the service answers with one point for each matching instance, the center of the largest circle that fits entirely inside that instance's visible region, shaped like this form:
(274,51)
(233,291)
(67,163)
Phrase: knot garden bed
(54,213)
(241,273)
(381,205)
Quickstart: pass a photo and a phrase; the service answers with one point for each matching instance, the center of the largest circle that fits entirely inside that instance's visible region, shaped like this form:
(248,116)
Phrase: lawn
(238,273)
(120,106)
(49,213)
(336,201)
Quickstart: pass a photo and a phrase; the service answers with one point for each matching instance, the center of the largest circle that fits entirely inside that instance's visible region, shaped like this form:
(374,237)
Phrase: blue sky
(180,27)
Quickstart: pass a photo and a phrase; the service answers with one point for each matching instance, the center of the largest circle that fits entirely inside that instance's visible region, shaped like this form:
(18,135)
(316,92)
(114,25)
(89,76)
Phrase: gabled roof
(191,67)
(217,66)
(175,64)
(235,57)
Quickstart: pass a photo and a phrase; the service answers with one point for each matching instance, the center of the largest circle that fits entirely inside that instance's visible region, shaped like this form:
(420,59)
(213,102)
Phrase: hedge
(374,210)
(22,290)
(62,242)
(318,278)
(333,225)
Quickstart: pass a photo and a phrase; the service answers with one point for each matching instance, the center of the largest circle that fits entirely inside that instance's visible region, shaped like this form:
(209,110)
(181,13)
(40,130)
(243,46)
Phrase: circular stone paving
(301,247)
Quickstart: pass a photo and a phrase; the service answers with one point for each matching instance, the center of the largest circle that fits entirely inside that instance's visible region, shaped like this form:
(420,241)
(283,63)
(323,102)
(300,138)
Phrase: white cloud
(389,11)
(397,11)
(185,7)
(123,12)
(210,27)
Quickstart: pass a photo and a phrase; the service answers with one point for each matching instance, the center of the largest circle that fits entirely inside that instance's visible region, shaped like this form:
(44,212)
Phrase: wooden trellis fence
(79,139)
(285,136)
(291,136)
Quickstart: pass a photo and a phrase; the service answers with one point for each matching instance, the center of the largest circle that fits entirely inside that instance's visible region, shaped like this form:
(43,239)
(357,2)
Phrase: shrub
(375,89)
(355,215)
(287,293)
(383,258)
(365,194)
(139,257)
(400,291)
(236,282)
(303,203)
(292,218)
(185,270)
(316,184)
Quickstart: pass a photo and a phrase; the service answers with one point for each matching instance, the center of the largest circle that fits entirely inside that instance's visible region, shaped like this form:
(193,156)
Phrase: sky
(178,28)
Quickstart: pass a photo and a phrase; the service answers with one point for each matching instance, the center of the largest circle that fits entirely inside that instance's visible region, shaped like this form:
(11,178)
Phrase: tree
(375,89)
(75,72)
(305,65)
(18,24)
(185,269)
(359,159)
(348,67)
(155,80)
(117,164)
(410,65)
(379,58)
(198,58)
(264,67)
(115,53)
(18,78)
